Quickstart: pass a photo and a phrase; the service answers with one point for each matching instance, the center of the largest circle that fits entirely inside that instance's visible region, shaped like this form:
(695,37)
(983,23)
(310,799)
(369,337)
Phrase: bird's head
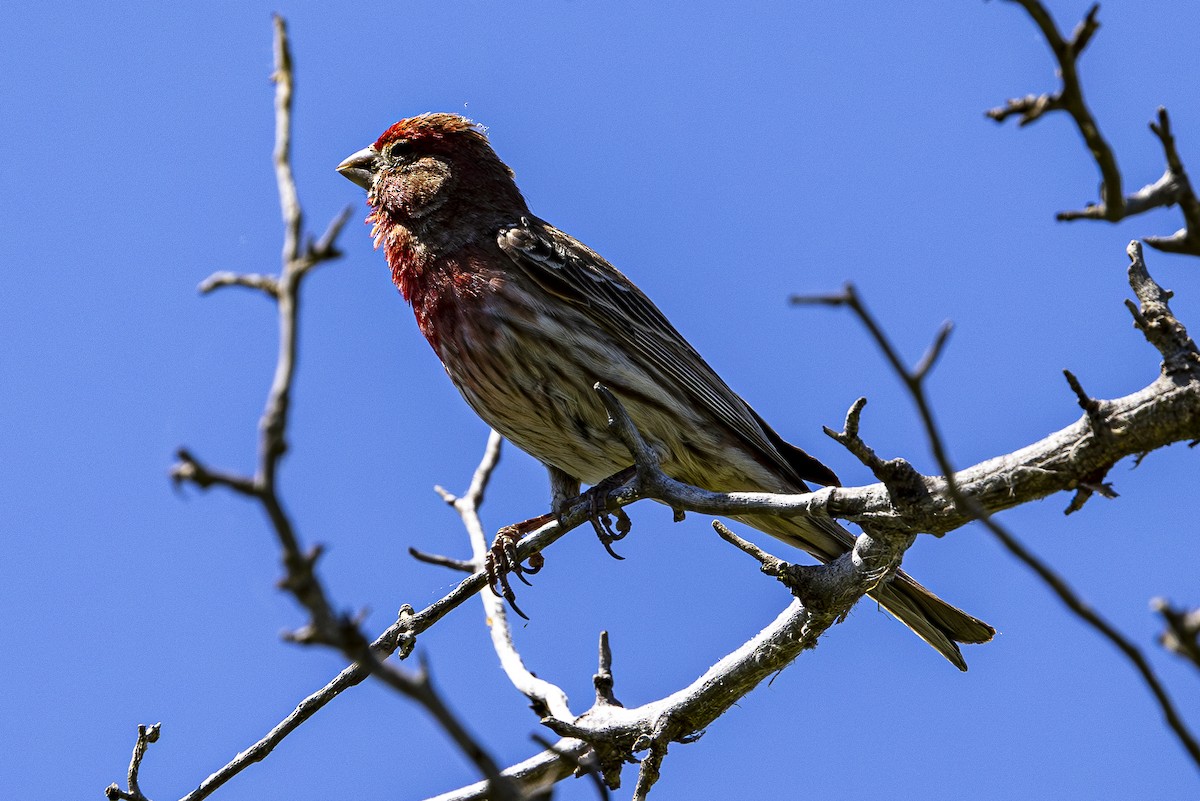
(435,168)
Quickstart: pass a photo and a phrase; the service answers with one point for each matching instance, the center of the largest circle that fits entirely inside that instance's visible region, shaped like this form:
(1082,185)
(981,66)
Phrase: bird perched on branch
(526,320)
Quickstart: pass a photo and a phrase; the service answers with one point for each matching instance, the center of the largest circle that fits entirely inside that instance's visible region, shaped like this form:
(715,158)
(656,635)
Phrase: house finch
(526,320)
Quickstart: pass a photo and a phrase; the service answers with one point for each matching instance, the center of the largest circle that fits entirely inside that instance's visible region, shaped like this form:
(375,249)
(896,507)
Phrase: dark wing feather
(571,271)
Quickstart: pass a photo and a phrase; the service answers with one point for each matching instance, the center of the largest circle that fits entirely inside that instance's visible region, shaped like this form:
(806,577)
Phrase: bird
(527,320)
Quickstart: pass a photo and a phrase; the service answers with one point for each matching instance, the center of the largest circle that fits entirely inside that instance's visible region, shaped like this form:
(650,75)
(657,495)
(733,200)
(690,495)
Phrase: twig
(461,565)
(1186,239)
(545,697)
(904,484)
(1170,189)
(1097,417)
(289,200)
(1153,316)
(146,736)
(1069,98)
(603,680)
(1093,407)
(267,284)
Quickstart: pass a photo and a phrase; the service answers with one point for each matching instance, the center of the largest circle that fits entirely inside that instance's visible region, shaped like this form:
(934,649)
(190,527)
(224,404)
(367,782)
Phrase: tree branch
(1172,188)
(133,792)
(1181,365)
(546,698)
(1186,239)
(617,733)
(1077,605)
(326,626)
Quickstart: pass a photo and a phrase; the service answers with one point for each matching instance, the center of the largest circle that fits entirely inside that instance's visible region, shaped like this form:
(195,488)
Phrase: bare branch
(1156,321)
(539,772)
(133,792)
(1181,364)
(326,626)
(289,201)
(650,768)
(1186,239)
(264,283)
(1069,98)
(1172,188)
(603,680)
(401,635)
(546,698)
(191,470)
(461,565)
(1084,611)
(616,733)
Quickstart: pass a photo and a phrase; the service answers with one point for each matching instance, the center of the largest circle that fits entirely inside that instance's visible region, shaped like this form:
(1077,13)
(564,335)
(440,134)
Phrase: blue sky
(722,157)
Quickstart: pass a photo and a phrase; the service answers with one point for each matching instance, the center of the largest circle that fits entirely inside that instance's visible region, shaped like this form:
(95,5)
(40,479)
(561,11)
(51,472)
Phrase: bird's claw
(502,559)
(601,523)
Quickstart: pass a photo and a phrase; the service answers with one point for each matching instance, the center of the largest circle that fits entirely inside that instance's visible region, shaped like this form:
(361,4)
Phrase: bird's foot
(597,498)
(502,560)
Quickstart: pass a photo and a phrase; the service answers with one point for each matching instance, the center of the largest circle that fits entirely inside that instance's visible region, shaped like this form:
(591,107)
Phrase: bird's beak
(360,167)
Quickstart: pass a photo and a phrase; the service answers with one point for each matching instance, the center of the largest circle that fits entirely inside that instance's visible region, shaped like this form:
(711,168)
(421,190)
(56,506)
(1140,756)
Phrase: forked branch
(326,625)
(1172,188)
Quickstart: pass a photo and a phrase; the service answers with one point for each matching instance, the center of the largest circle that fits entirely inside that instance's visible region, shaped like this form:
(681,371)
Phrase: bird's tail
(936,622)
(933,620)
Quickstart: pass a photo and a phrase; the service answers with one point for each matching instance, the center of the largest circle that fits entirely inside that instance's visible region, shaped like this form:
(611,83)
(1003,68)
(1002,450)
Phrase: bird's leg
(597,497)
(502,560)
(564,488)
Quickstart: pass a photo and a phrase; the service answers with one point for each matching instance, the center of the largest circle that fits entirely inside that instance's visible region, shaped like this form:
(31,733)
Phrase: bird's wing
(573,272)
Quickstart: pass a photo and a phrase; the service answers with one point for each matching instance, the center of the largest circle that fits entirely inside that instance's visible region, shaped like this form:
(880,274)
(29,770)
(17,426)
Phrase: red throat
(439,289)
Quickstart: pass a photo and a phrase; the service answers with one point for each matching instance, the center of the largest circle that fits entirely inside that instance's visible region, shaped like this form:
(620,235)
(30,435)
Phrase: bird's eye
(400,149)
